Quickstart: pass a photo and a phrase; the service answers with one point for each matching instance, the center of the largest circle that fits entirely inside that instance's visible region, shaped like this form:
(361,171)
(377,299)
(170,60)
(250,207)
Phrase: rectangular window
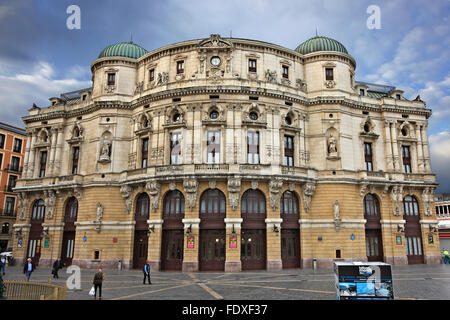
(175,148)
(17,145)
(289,151)
(180,66)
(329,74)
(285,72)
(213,146)
(151,74)
(368,156)
(111,79)
(144,152)
(14,166)
(9,206)
(11,183)
(2,141)
(361,92)
(251,65)
(43,164)
(253,147)
(1,160)
(75,156)
(406,159)
(398,96)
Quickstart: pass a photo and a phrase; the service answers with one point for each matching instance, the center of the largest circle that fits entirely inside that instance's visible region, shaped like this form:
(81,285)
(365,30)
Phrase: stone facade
(150,132)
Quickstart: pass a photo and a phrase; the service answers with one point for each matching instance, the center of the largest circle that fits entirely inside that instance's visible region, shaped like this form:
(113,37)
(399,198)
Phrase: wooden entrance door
(68,246)
(34,247)
(35,240)
(290,248)
(413,234)
(253,249)
(374,247)
(212,250)
(140,249)
(172,250)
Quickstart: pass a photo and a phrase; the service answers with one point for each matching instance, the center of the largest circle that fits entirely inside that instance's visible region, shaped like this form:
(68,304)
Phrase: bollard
(120,265)
(315,264)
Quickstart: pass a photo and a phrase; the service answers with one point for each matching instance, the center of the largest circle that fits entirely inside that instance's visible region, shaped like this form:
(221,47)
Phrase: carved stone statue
(308,192)
(271,76)
(337,215)
(332,148)
(104,152)
(99,212)
(163,78)
(126,192)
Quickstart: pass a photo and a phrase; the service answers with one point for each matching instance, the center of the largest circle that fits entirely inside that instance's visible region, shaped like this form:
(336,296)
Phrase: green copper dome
(319,43)
(123,49)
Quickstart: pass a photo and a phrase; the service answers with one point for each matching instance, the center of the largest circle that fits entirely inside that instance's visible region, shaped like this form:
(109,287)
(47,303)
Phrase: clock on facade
(215,61)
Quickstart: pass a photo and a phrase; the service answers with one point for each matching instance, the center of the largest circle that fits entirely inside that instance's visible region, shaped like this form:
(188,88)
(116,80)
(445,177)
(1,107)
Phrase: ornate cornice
(180,92)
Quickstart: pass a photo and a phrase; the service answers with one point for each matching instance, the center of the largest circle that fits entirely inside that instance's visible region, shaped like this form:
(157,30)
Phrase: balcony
(7,213)
(14,168)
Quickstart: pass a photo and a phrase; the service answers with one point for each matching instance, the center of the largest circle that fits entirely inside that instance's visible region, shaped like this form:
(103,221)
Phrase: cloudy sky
(41,58)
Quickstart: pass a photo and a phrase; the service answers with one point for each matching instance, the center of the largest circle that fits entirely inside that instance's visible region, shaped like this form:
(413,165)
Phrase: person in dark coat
(98,281)
(58,264)
(28,268)
(146,271)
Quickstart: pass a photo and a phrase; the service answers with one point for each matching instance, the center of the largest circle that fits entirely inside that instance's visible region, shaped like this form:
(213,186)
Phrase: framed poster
(46,242)
(190,242)
(19,243)
(233,242)
(398,240)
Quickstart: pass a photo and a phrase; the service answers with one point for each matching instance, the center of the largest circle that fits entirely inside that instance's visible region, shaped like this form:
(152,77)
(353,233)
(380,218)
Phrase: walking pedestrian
(28,268)
(146,271)
(3,262)
(98,281)
(58,264)
(446,257)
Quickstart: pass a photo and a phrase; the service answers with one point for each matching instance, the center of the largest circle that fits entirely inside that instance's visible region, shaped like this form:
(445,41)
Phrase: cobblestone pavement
(429,282)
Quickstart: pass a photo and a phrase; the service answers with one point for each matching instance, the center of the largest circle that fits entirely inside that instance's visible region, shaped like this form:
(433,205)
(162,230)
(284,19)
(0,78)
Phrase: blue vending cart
(363,281)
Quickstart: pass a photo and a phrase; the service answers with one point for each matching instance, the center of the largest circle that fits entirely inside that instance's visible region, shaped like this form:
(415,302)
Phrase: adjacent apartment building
(12,150)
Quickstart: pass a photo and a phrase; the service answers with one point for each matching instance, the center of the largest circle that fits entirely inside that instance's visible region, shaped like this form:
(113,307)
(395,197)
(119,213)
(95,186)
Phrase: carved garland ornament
(275,189)
(308,192)
(234,189)
(190,188)
(154,188)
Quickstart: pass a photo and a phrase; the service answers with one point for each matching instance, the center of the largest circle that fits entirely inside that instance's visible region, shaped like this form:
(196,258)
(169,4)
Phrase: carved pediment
(215,41)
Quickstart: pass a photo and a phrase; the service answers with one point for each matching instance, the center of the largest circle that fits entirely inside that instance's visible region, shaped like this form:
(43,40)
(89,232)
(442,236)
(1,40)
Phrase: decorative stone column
(54,131)
(27,154)
(59,145)
(155,243)
(397,166)
(192,235)
(426,152)
(273,236)
(389,160)
(420,160)
(233,245)
(30,171)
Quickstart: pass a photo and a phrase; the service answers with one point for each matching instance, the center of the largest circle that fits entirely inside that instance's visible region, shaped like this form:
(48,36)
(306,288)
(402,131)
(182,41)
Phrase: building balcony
(14,169)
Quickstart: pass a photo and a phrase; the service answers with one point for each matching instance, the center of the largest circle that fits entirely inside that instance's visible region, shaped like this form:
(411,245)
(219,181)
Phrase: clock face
(215,61)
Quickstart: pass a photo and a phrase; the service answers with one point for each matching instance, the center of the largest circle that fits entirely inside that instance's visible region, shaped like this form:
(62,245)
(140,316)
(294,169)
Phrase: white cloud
(18,92)
(440,158)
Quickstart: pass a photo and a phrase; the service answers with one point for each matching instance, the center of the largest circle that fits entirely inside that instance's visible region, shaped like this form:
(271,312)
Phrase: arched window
(289,205)
(5,228)
(410,206)
(212,203)
(173,205)
(38,210)
(371,206)
(71,210)
(142,207)
(253,204)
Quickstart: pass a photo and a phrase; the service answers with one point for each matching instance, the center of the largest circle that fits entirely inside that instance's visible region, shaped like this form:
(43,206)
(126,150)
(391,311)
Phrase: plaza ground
(414,282)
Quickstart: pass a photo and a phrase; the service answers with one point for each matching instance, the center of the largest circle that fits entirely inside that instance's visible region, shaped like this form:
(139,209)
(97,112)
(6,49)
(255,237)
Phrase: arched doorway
(212,231)
(173,232)
(374,239)
(290,230)
(253,230)
(413,234)
(68,243)
(35,240)
(141,215)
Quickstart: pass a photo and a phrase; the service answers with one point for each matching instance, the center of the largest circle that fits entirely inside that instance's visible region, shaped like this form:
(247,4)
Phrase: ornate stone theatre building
(227,154)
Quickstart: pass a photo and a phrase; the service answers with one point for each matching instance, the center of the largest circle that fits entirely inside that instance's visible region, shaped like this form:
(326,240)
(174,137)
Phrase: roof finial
(131,40)
(316,32)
